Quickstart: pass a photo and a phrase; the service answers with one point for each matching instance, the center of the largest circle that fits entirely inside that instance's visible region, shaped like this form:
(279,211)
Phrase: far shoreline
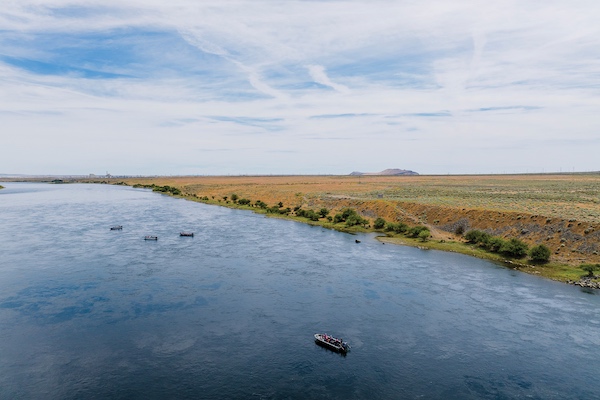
(309,192)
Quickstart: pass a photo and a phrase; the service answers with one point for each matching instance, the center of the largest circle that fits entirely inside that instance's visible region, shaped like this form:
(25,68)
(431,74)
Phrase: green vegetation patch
(163,189)
(511,248)
(350,217)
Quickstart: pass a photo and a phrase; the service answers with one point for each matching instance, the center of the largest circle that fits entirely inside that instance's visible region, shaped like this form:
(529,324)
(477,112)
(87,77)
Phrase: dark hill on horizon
(392,171)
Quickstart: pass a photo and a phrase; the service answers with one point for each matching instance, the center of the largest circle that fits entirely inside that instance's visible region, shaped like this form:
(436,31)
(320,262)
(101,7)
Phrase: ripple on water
(89,312)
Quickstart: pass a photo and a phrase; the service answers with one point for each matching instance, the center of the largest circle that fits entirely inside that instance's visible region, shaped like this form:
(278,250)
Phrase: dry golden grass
(567,196)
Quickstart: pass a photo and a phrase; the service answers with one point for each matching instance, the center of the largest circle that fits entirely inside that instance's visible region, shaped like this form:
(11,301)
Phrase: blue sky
(298,87)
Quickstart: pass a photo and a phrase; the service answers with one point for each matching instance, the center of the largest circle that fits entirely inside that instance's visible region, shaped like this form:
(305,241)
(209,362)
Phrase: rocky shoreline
(587,282)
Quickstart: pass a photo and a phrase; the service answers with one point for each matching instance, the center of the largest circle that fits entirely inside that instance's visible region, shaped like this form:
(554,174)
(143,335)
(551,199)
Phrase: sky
(178,87)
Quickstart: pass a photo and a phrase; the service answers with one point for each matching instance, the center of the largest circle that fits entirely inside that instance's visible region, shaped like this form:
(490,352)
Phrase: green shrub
(424,235)
(494,244)
(350,217)
(477,237)
(165,189)
(379,223)
(590,269)
(310,214)
(539,253)
(356,219)
(399,227)
(514,248)
(416,230)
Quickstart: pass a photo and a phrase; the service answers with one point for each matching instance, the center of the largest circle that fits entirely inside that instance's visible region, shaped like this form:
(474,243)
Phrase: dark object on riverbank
(331,343)
(116,228)
(151,238)
(189,234)
(356,241)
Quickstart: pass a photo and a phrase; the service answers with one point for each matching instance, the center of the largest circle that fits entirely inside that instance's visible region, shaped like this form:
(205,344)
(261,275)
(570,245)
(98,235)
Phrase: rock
(586,282)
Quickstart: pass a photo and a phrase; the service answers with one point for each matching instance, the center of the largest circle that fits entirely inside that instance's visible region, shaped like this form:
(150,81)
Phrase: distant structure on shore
(94,176)
(393,171)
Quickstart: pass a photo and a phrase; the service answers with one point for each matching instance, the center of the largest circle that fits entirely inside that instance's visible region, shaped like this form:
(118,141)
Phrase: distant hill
(392,171)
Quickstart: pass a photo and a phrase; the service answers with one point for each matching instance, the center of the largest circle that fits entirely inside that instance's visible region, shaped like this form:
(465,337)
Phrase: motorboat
(331,343)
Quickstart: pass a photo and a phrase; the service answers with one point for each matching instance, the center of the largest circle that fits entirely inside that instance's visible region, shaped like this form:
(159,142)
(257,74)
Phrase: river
(90,313)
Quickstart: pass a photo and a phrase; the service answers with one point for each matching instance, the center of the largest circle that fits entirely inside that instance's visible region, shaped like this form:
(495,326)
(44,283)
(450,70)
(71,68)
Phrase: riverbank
(560,211)
(451,243)
(443,237)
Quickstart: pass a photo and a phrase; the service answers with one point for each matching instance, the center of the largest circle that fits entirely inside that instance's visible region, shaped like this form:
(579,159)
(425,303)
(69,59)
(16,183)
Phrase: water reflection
(89,312)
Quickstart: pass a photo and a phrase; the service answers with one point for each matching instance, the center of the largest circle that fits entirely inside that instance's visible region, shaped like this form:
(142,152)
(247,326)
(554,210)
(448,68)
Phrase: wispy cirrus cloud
(334,82)
(317,72)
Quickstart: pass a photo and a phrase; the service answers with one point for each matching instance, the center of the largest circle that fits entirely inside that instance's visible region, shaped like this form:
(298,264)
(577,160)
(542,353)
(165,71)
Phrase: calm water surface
(86,312)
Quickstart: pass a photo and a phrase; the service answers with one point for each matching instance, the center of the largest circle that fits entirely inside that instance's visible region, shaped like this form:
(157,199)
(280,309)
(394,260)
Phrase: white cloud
(442,86)
(317,72)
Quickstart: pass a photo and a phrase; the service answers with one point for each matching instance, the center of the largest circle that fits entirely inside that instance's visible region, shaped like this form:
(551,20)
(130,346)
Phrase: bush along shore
(156,188)
(511,252)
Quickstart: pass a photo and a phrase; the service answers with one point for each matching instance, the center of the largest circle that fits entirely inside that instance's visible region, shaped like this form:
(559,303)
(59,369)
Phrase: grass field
(561,196)
(566,196)
(577,195)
